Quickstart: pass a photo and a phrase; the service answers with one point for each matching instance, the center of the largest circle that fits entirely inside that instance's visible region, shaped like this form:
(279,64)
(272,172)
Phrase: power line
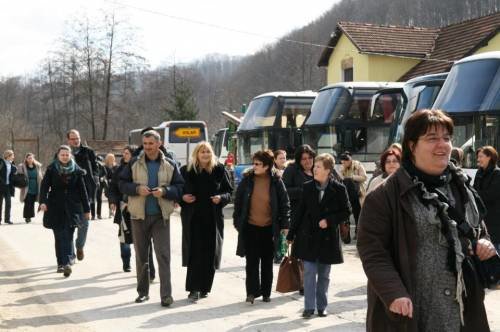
(212,25)
(220,27)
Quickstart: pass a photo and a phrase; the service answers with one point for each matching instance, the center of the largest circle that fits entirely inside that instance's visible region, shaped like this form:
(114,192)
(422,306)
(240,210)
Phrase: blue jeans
(82,229)
(125,253)
(63,236)
(316,281)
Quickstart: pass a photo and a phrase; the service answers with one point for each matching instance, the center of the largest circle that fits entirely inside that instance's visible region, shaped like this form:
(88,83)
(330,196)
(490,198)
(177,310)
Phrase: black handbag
(19,180)
(488,271)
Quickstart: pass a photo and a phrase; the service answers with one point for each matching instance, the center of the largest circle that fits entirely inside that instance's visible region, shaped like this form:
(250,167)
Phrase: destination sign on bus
(188,132)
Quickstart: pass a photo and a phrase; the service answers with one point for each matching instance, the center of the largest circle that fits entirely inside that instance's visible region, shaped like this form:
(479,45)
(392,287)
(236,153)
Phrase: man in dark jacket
(86,160)
(153,184)
(7,171)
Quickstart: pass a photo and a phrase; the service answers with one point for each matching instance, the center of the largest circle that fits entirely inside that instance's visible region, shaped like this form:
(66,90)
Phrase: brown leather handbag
(290,275)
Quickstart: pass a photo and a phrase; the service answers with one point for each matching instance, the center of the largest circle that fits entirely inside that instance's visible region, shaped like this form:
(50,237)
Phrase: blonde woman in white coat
(29,194)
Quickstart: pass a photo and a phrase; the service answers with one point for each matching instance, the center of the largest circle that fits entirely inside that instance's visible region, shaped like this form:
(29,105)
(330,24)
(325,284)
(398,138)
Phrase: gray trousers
(142,232)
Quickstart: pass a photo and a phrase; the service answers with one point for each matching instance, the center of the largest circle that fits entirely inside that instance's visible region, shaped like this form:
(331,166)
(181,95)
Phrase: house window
(348,75)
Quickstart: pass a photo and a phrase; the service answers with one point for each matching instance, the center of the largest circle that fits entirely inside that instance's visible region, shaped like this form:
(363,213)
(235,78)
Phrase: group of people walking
(422,226)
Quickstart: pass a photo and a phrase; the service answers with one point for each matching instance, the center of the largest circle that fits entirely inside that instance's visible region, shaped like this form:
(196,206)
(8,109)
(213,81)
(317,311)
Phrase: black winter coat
(280,207)
(3,175)
(311,243)
(294,178)
(65,196)
(219,185)
(114,194)
(86,160)
(487,184)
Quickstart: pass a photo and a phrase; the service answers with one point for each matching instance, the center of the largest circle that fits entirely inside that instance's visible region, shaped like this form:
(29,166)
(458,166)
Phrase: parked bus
(179,137)
(417,93)
(341,119)
(220,142)
(272,121)
(471,96)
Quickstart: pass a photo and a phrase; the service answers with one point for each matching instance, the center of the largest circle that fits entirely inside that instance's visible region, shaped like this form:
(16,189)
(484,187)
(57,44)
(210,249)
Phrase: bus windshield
(261,113)
(328,105)
(472,86)
(272,122)
(342,121)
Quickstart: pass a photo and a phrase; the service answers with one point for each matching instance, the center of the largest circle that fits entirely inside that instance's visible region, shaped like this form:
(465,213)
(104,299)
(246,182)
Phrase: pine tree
(183,105)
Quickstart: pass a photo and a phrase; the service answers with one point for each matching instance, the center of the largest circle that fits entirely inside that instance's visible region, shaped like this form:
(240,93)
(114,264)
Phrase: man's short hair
(152,133)
(72,131)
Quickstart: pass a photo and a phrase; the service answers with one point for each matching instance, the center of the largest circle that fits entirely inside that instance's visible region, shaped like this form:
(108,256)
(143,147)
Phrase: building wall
(493,45)
(385,68)
(365,67)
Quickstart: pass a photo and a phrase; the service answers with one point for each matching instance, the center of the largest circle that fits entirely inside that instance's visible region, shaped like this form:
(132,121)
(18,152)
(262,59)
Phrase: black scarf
(431,182)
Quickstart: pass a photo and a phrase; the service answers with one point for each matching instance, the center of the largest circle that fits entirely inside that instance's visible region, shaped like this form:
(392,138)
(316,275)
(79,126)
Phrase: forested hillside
(96,81)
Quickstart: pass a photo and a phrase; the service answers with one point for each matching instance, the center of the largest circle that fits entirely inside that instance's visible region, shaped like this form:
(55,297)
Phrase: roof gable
(455,42)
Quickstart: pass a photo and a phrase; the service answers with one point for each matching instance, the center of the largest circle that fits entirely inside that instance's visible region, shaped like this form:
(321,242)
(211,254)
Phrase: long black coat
(65,196)
(487,184)
(86,160)
(219,185)
(114,194)
(280,207)
(311,243)
(294,178)
(3,175)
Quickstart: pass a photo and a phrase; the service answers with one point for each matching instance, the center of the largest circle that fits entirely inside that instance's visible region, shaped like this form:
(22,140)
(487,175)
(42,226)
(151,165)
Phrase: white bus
(179,137)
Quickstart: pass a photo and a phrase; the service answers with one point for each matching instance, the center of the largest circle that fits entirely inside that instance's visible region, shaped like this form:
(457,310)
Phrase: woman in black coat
(315,232)
(487,184)
(261,212)
(206,191)
(64,200)
(118,204)
(297,173)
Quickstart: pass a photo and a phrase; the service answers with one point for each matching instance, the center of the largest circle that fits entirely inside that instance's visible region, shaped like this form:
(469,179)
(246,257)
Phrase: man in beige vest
(152,183)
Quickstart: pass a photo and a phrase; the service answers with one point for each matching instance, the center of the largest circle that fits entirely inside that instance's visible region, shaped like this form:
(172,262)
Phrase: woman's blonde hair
(110,158)
(327,160)
(194,163)
(7,154)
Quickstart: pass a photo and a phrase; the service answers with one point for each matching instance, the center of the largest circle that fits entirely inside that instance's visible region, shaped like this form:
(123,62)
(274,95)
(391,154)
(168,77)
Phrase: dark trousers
(356,210)
(99,200)
(159,230)
(201,269)
(5,194)
(63,236)
(259,250)
(29,206)
(126,253)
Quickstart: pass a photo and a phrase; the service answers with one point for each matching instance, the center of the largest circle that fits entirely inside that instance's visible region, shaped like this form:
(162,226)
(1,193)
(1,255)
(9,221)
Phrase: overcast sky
(29,28)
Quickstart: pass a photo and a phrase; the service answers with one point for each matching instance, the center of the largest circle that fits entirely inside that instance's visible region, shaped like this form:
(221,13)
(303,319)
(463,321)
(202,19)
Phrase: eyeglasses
(258,164)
